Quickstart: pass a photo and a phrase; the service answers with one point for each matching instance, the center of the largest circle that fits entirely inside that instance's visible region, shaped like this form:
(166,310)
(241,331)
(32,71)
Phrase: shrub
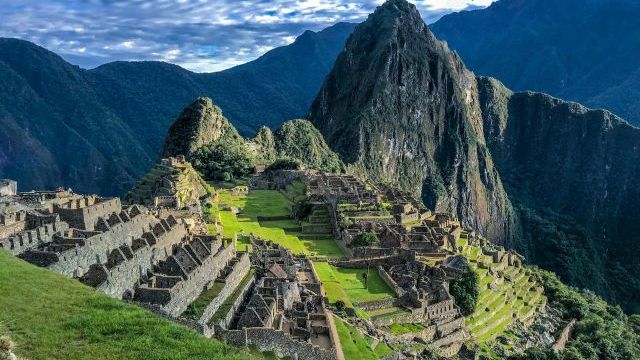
(285,163)
(365,239)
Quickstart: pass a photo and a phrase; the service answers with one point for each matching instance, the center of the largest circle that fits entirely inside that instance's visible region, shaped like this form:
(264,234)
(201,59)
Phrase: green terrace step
(315,236)
(391,312)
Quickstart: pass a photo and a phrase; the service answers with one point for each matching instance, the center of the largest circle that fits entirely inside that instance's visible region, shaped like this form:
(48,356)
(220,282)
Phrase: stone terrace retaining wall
(376,305)
(188,290)
(390,282)
(223,324)
(97,248)
(386,260)
(30,239)
(126,275)
(400,319)
(240,270)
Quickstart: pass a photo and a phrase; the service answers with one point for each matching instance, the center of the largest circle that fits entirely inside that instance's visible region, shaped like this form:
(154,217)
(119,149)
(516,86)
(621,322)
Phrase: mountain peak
(401,106)
(199,124)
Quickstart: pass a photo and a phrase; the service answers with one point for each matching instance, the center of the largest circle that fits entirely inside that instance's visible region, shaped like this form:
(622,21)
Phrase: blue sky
(200,35)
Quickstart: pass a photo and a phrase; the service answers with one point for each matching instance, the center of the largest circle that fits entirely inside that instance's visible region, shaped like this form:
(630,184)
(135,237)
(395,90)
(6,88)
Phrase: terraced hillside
(50,316)
(507,293)
(177,179)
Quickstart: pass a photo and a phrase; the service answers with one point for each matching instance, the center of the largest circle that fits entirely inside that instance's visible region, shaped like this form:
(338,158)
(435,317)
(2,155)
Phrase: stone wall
(85,218)
(376,305)
(240,270)
(277,341)
(8,187)
(366,251)
(390,282)
(30,239)
(224,323)
(400,258)
(74,262)
(186,291)
(124,277)
(564,337)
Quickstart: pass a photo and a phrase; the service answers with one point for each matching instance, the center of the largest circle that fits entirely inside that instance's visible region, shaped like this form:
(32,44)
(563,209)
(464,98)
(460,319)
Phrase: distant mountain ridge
(579,50)
(100,130)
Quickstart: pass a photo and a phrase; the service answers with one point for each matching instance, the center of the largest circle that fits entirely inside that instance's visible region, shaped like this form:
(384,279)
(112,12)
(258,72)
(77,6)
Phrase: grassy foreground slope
(52,317)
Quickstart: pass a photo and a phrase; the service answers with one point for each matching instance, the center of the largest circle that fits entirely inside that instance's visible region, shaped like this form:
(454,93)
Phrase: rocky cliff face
(401,107)
(201,123)
(573,174)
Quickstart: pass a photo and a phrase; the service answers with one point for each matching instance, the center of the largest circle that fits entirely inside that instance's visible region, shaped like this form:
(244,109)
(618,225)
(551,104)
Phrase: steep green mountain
(208,139)
(579,50)
(401,107)
(100,130)
(299,139)
(574,176)
(199,124)
(56,130)
(552,178)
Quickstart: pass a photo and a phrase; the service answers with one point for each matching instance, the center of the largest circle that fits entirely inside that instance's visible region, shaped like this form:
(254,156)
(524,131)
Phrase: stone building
(284,310)
(8,187)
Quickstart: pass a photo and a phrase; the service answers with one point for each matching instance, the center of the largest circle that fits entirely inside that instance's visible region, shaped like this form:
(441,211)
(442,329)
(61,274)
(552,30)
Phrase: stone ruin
(172,183)
(8,187)
(127,252)
(398,220)
(283,310)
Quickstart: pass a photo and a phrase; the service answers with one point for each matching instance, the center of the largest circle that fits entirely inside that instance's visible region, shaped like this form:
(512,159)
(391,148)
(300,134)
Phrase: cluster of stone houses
(283,309)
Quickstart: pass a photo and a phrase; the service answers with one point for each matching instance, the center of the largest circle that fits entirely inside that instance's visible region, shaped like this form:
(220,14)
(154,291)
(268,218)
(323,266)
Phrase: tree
(223,161)
(465,291)
(365,239)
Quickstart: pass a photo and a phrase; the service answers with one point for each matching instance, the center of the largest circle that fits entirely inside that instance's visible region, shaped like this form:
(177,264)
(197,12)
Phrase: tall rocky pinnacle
(201,123)
(401,107)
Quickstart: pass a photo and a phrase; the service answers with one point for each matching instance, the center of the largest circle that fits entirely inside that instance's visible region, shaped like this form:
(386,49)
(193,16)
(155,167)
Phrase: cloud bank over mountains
(199,35)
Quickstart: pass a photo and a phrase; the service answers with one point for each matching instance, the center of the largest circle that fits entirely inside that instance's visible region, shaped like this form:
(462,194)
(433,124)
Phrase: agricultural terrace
(266,213)
(502,300)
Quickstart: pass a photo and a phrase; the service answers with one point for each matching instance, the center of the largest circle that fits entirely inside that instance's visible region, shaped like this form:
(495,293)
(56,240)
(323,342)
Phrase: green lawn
(348,284)
(268,203)
(401,329)
(52,317)
(355,346)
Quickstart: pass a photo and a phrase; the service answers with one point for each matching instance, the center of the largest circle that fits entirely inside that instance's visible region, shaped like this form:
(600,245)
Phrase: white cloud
(201,35)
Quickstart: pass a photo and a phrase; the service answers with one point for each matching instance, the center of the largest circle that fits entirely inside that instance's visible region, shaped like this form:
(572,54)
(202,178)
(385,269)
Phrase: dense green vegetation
(285,163)
(365,238)
(299,139)
(602,331)
(224,161)
(50,316)
(465,290)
